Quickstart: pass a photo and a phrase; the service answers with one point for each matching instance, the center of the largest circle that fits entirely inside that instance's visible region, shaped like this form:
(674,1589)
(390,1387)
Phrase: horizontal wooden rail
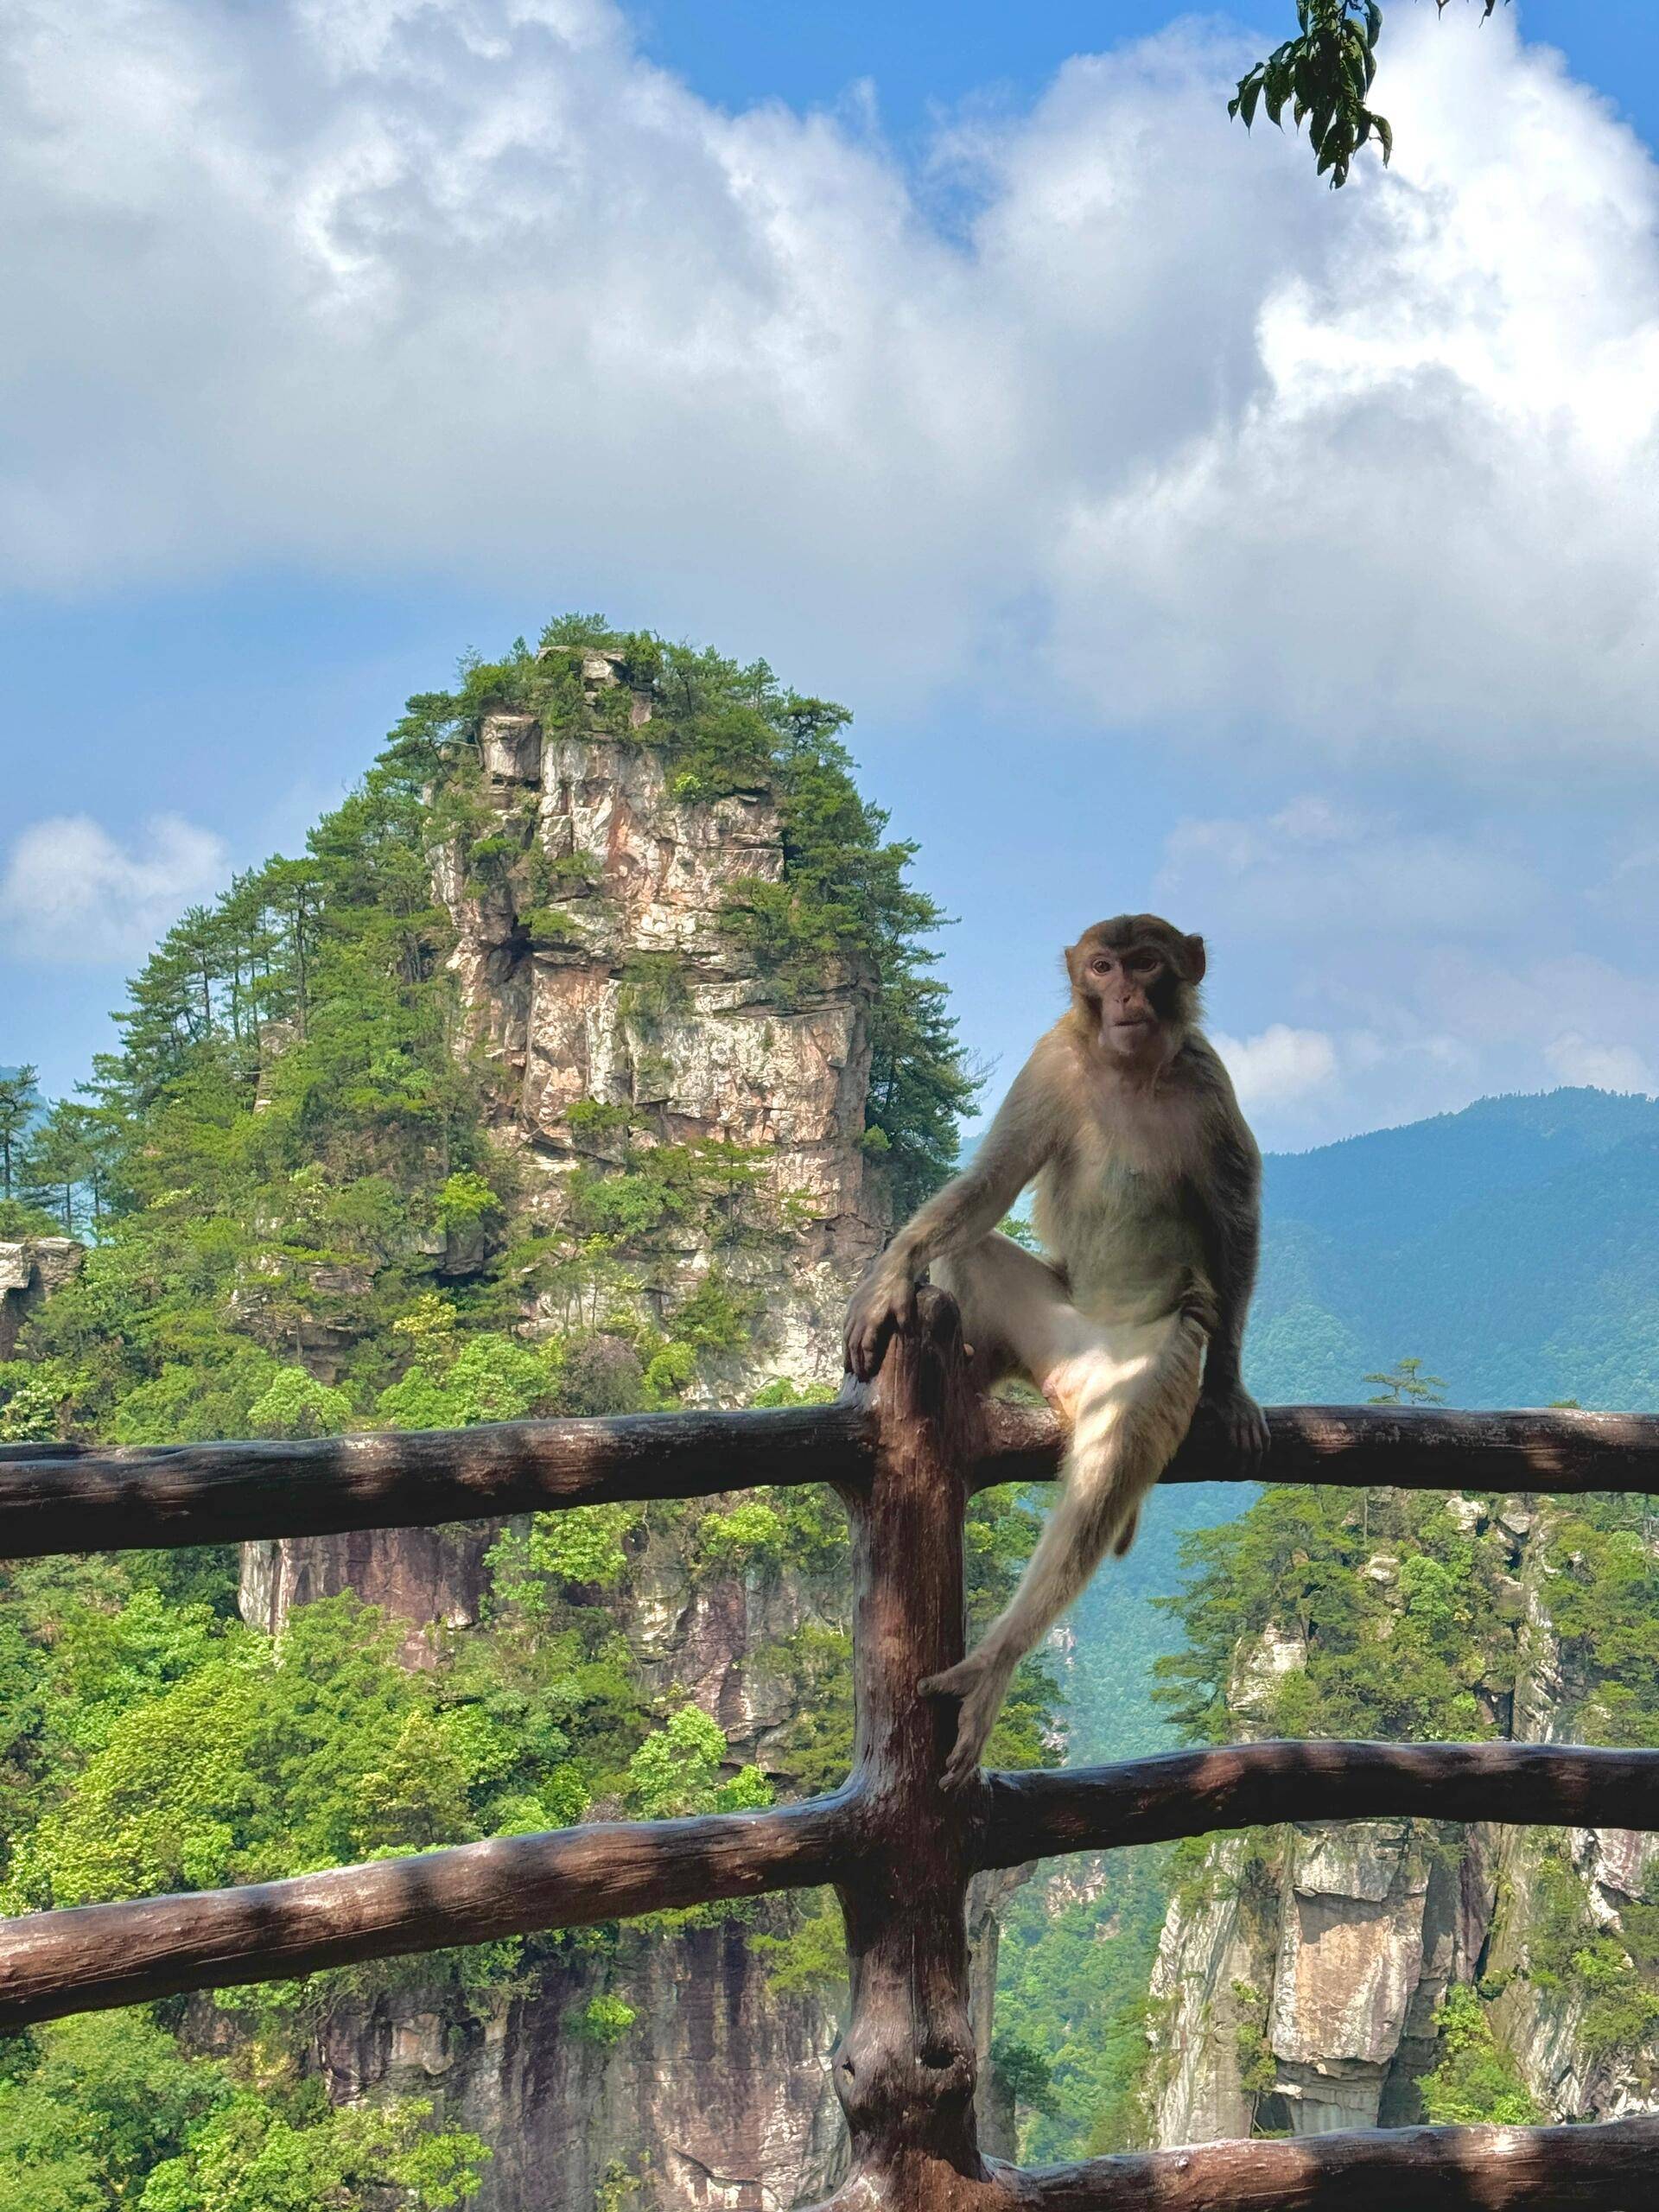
(1362,1447)
(56,1497)
(91,1956)
(1611,2168)
(1251,1785)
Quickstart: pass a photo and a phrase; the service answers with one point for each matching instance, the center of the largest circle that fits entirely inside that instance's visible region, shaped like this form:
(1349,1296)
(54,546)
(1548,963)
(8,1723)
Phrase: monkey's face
(1134,981)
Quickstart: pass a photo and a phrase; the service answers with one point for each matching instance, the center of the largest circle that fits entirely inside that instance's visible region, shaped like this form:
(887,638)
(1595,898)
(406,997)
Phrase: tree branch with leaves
(1324,76)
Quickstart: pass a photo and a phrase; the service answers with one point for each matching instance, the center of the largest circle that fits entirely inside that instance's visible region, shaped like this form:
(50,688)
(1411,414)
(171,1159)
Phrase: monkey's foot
(982,1685)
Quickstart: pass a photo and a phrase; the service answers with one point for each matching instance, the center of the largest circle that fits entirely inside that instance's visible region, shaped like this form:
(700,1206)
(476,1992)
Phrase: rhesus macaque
(1148,1205)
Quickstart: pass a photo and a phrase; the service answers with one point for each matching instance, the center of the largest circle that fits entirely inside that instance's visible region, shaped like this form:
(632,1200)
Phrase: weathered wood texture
(71,1498)
(906,2068)
(1612,2167)
(1247,1785)
(868,1835)
(101,1954)
(56,1497)
(1361,1448)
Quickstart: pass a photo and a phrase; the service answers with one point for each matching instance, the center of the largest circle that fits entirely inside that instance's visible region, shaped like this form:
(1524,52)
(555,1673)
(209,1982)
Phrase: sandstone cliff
(29,1272)
(595,967)
(1300,1970)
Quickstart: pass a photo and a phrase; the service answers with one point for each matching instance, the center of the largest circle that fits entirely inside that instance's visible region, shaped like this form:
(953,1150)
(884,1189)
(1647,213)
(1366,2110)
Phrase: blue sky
(1179,533)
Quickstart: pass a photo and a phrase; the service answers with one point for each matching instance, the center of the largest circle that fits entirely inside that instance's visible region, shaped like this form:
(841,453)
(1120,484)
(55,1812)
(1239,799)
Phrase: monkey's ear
(1196,959)
(1070,956)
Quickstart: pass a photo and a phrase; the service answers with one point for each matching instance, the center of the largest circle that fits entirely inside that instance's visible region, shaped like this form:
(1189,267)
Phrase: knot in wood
(907,2082)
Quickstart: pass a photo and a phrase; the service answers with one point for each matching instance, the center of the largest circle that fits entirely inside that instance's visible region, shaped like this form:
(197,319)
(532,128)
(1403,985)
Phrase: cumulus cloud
(471,285)
(70,893)
(1436,965)
(1282,1067)
(1579,1059)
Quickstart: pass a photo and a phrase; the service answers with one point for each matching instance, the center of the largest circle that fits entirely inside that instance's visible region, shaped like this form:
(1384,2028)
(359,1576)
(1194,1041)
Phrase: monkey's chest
(1128,1245)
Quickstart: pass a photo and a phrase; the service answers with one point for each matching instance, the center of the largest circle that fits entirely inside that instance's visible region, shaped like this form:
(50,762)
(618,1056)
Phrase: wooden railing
(905,1456)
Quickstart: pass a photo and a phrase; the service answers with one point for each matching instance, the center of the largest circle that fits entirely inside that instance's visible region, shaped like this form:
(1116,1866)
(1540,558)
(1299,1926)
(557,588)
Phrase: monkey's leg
(1006,1295)
(1130,1390)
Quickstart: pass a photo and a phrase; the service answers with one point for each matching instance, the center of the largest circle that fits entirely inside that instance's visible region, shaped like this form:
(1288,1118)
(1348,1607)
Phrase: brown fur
(1147,1205)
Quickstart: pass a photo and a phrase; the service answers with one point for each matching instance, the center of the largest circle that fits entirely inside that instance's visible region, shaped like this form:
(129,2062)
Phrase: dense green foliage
(1475,2081)
(108,2110)
(1324,74)
(1077,1949)
(1400,1614)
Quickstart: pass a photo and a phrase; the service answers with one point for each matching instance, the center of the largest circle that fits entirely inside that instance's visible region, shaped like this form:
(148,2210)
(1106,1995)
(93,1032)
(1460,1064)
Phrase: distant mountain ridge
(1512,1247)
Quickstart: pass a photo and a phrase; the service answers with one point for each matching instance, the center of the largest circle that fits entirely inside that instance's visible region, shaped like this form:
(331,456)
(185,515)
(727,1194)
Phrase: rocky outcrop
(1299,1976)
(29,1273)
(597,963)
(1544,2025)
(717,2095)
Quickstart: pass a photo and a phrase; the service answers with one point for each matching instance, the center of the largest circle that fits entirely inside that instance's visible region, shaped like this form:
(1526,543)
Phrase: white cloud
(468,284)
(69,894)
(1282,1067)
(1577,1060)
(1320,868)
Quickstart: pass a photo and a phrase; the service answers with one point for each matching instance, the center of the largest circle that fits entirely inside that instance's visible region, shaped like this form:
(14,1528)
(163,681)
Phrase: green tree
(251,2156)
(20,1102)
(1324,74)
(294,1404)
(66,1164)
(89,2105)
(1406,1384)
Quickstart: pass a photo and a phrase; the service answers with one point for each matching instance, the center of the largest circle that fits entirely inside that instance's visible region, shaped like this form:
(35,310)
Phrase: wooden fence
(906,1456)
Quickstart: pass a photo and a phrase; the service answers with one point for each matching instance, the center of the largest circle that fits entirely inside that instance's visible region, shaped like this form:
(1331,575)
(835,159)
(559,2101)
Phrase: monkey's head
(1134,986)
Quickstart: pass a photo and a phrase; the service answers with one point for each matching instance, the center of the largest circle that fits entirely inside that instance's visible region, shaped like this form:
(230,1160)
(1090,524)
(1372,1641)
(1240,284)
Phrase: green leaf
(1250,94)
(1385,135)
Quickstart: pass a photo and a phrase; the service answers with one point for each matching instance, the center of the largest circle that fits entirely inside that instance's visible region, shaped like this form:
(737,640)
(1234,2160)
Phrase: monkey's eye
(1101,964)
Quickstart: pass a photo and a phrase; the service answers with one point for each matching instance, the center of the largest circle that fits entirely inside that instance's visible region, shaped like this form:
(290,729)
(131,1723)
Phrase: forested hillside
(332,1179)
(1514,1245)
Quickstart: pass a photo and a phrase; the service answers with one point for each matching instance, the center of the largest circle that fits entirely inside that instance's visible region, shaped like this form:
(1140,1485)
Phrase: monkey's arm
(971,1204)
(1228,1205)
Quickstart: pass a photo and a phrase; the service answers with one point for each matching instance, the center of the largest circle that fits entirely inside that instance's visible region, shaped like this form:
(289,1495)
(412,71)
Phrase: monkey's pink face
(1132,992)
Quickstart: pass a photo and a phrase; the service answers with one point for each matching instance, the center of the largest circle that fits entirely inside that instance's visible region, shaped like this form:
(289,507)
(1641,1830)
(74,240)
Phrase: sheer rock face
(30,1272)
(718,2095)
(1545,2028)
(1341,1961)
(629,986)
(623,984)
(1208,1955)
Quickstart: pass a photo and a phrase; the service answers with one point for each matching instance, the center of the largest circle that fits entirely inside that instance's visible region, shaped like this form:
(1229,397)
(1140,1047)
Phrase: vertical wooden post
(906,2067)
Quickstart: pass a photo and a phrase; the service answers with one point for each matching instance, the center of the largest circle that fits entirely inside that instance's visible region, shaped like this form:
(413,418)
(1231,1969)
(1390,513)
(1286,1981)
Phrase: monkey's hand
(1231,1414)
(884,1301)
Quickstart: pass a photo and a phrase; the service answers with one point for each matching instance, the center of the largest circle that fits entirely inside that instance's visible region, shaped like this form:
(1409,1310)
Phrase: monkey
(1131,1319)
